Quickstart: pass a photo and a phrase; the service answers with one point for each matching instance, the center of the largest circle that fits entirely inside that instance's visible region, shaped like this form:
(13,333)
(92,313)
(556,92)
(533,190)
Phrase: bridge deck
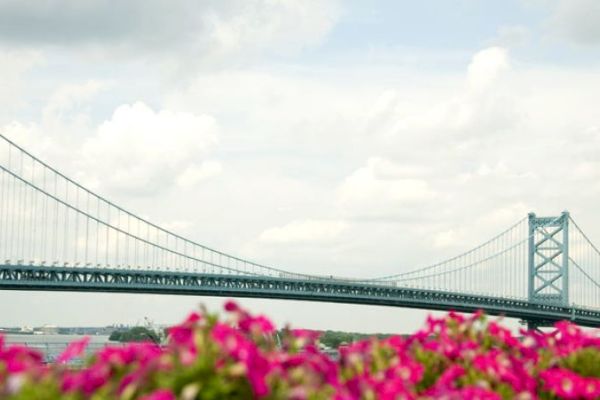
(21,277)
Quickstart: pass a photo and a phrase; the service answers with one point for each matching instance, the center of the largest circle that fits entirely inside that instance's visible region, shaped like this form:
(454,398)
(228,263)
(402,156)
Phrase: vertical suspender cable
(86,258)
(186,259)
(165,260)
(34,220)
(45,219)
(136,261)
(155,252)
(65,257)
(55,247)
(127,263)
(3,220)
(147,248)
(21,213)
(12,213)
(96,254)
(107,245)
(76,255)
(118,224)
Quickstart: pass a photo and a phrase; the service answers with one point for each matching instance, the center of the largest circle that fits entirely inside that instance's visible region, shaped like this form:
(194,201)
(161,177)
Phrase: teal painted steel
(20,277)
(56,235)
(549,259)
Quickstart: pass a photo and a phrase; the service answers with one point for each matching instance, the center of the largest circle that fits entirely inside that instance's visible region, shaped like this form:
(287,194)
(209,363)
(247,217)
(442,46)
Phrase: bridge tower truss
(548,261)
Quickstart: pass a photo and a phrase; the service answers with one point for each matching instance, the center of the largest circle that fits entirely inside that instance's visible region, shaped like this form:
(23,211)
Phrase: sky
(347,138)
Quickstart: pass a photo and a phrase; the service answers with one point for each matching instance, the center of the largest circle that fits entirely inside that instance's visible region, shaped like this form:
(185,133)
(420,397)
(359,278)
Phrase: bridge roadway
(78,279)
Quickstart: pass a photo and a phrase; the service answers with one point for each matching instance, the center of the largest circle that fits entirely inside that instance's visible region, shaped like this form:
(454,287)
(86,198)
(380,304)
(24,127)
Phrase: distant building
(49,330)
(26,329)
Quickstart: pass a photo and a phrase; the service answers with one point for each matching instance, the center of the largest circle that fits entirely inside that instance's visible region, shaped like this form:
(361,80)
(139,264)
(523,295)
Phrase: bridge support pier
(535,324)
(532,325)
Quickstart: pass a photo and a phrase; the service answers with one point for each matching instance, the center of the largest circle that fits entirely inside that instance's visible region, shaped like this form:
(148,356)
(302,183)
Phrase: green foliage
(243,357)
(585,362)
(334,339)
(435,364)
(135,334)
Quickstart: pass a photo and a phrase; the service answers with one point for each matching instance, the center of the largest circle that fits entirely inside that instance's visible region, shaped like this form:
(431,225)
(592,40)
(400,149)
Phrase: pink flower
(590,388)
(183,333)
(466,393)
(477,393)
(256,325)
(74,349)
(453,315)
(504,335)
(449,377)
(563,382)
(454,357)
(392,389)
(87,380)
(143,353)
(19,358)
(160,394)
(410,371)
(306,334)
(182,338)
(244,350)
(231,306)
(435,325)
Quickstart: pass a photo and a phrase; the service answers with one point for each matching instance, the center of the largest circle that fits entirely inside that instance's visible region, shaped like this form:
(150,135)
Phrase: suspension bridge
(56,235)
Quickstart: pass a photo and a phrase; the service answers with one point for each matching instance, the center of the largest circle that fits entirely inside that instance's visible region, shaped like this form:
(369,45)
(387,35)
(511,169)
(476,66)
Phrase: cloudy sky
(340,137)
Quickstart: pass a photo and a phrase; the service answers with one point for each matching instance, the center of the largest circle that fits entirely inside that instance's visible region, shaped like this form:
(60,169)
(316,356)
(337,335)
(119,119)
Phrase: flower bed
(454,357)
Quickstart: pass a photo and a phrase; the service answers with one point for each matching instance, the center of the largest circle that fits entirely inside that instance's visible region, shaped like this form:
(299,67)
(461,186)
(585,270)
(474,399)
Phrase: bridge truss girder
(71,279)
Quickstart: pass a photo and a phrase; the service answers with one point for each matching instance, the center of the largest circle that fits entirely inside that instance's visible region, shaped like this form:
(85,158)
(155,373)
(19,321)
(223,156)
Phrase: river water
(52,345)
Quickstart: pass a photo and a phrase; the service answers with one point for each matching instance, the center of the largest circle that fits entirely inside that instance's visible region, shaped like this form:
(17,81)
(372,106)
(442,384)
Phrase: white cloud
(383,168)
(305,231)
(578,21)
(194,174)
(142,151)
(504,215)
(382,188)
(275,110)
(482,106)
(485,68)
(64,123)
(176,226)
(512,36)
(461,154)
(13,66)
(185,32)
(449,238)
(67,98)
(586,170)
(26,135)
(500,171)
(282,25)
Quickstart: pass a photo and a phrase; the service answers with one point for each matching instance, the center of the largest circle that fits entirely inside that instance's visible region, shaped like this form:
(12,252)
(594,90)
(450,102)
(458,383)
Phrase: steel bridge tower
(548,277)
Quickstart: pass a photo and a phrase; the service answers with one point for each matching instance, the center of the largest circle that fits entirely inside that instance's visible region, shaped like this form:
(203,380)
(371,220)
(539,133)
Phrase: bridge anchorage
(57,235)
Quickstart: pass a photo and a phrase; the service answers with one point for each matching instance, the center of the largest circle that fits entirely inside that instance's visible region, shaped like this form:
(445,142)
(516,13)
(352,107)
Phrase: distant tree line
(135,334)
(334,339)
